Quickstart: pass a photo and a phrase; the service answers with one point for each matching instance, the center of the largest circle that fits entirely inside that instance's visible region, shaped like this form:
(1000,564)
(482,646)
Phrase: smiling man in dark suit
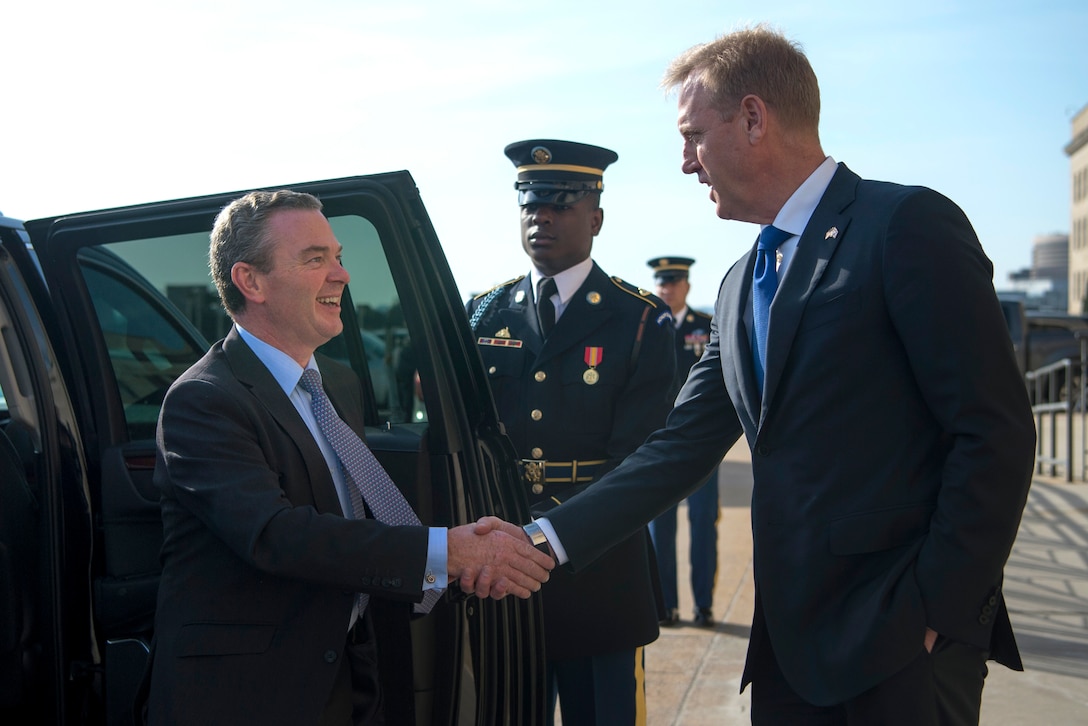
(892,440)
(266,547)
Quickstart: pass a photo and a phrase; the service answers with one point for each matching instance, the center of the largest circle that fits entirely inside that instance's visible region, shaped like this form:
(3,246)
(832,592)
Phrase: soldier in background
(582,367)
(692,334)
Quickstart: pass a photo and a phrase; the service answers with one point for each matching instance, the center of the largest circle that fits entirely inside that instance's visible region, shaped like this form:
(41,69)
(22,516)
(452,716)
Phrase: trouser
(703,511)
(942,688)
(600,690)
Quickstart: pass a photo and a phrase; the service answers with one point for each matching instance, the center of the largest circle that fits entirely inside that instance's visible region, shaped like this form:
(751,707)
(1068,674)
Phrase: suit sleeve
(669,466)
(941,299)
(233,468)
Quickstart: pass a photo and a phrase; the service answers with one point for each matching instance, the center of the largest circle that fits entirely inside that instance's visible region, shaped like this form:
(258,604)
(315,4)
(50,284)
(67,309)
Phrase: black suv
(99,313)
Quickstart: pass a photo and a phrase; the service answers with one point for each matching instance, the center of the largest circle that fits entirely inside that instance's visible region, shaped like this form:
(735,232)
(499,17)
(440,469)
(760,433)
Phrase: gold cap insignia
(832,233)
(541,155)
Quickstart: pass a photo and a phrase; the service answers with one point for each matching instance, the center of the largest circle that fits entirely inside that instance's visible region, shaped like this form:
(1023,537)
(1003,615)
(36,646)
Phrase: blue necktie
(366,479)
(764,285)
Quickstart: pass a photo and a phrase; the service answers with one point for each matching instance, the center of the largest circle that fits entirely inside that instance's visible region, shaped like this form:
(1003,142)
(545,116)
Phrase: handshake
(493,558)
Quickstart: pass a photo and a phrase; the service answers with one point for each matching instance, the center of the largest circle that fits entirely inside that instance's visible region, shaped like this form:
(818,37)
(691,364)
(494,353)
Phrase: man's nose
(689,163)
(339,273)
(541,213)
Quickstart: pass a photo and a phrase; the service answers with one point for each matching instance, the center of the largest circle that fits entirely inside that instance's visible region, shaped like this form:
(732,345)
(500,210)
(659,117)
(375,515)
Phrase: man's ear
(248,281)
(598,221)
(754,114)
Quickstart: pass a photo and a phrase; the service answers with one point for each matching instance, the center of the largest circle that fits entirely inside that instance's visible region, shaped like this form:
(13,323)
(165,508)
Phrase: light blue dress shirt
(287,374)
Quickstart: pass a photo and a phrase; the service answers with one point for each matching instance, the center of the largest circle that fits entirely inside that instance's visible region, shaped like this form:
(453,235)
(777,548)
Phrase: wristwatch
(537,537)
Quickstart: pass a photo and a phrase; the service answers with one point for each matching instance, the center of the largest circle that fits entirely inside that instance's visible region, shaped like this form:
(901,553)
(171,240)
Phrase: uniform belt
(535,471)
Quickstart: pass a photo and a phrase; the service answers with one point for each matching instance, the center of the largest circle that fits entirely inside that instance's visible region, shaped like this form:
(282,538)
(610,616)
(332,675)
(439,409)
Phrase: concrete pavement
(693,674)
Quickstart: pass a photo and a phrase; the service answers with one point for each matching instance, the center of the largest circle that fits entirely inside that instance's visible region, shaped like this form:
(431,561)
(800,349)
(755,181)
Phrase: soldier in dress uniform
(692,334)
(582,368)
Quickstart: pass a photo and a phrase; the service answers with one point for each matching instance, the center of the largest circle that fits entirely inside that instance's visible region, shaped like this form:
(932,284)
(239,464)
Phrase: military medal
(593,358)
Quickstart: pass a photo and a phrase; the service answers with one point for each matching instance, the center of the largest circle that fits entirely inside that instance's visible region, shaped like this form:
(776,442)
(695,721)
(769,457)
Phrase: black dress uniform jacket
(692,335)
(554,413)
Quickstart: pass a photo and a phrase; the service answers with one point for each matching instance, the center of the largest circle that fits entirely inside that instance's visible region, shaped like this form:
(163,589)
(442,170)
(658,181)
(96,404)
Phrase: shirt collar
(282,366)
(798,209)
(678,319)
(567,282)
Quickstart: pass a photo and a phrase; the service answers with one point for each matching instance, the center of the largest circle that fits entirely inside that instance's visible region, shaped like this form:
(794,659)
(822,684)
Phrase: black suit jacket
(260,567)
(551,413)
(891,456)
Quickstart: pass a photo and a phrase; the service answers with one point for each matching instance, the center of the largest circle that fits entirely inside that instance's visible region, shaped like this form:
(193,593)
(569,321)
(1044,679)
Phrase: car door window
(148,344)
(377,313)
(158,309)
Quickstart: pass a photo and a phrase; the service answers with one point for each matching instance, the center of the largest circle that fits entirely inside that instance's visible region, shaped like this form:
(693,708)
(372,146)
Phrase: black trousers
(942,688)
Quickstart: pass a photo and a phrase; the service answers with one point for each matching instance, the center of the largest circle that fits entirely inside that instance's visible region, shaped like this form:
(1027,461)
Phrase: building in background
(1077,151)
(1045,285)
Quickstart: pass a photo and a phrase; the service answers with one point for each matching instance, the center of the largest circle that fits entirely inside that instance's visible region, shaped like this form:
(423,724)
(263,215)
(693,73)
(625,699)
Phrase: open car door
(129,305)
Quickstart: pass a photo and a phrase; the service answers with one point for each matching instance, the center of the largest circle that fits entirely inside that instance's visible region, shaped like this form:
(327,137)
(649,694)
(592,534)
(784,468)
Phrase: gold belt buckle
(534,474)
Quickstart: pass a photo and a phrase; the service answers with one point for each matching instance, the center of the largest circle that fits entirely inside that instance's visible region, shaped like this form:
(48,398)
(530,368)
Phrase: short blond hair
(756,61)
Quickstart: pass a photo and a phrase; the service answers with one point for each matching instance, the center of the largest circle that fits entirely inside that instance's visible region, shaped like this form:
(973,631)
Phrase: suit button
(983,619)
(763,450)
(387,582)
(987,610)
(993,600)
(330,656)
(396,582)
(364,581)
(536,414)
(492,370)
(539,376)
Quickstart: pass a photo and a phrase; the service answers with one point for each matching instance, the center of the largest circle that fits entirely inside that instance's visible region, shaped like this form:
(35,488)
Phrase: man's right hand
(496,562)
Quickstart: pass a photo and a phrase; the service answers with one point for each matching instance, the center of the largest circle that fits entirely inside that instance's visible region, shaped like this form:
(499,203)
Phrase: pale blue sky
(120,102)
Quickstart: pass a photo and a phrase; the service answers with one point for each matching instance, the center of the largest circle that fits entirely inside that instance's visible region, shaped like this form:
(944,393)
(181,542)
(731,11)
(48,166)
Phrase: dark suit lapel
(735,342)
(252,373)
(581,316)
(825,230)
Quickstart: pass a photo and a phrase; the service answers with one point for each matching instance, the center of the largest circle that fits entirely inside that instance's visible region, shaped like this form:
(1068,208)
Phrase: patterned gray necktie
(366,479)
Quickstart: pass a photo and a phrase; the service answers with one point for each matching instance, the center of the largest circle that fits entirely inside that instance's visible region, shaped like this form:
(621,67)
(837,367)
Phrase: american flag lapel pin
(832,233)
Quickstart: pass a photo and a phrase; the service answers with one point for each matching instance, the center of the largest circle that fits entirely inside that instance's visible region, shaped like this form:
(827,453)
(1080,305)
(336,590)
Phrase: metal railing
(1059,392)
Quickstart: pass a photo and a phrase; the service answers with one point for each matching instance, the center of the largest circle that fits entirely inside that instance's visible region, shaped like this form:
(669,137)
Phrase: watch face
(537,537)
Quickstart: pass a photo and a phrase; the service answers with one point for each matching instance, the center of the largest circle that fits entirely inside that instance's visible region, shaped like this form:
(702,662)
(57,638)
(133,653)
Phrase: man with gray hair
(279,523)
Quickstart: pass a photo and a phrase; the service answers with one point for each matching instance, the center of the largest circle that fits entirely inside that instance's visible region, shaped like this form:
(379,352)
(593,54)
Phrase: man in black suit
(892,440)
(265,551)
(582,373)
(692,334)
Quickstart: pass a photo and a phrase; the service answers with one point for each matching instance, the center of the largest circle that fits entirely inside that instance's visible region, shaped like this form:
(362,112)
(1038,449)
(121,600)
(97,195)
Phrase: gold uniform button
(536,414)
(540,376)
(537,452)
(491,370)
(538,488)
